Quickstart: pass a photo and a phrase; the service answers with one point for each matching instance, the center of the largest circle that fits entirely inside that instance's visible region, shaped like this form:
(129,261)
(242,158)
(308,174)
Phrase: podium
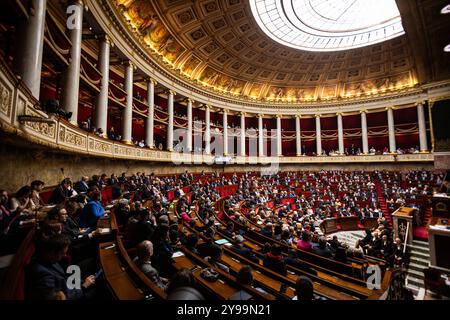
(349,223)
(439,233)
(370,223)
(329,225)
(403,223)
(441,205)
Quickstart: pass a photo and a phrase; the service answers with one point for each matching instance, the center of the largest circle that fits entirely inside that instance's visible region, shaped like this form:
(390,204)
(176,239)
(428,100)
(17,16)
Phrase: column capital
(298,116)
(152,81)
(317,115)
(106,38)
(278,116)
(260,115)
(129,63)
(389,108)
(172,92)
(339,114)
(242,114)
(192,101)
(225,110)
(362,111)
(208,106)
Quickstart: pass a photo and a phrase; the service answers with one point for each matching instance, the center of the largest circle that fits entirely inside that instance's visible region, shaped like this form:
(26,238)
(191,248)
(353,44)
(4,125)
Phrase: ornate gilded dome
(219,46)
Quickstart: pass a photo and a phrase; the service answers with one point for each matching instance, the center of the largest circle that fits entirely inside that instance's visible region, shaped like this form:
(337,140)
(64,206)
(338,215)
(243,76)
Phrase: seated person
(92,212)
(245,277)
(191,243)
(163,250)
(304,243)
(139,228)
(215,258)
(243,251)
(45,272)
(321,248)
(63,192)
(304,289)
(182,286)
(267,230)
(274,260)
(143,262)
(334,243)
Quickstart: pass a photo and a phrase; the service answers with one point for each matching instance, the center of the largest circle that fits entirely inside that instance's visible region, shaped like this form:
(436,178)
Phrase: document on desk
(177,254)
(103,230)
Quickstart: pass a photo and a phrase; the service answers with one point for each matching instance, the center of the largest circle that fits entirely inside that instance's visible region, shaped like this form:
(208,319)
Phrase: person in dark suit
(321,248)
(45,274)
(239,248)
(163,251)
(82,185)
(63,192)
(140,229)
(386,248)
(274,260)
(375,246)
(267,230)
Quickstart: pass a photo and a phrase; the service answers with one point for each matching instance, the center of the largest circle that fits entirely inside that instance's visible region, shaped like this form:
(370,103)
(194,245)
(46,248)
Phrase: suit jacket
(245,252)
(81,186)
(42,277)
(59,195)
(323,252)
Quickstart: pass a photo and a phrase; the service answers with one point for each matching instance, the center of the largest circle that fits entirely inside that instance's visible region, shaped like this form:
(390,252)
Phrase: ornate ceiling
(218,44)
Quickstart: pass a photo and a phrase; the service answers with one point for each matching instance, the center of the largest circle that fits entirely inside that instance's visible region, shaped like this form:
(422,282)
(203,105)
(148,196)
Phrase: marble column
(298,137)
(340,134)
(170,120)
(72,76)
(242,154)
(260,135)
(29,58)
(149,125)
(101,110)
(127,124)
(189,125)
(279,137)
(225,132)
(318,136)
(207,130)
(422,128)
(391,129)
(364,135)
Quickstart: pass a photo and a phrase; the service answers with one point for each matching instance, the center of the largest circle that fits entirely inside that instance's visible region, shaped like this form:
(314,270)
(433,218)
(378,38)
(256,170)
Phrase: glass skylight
(328,25)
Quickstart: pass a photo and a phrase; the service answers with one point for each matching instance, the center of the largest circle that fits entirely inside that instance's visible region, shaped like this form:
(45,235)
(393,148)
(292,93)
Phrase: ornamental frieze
(5,98)
(42,128)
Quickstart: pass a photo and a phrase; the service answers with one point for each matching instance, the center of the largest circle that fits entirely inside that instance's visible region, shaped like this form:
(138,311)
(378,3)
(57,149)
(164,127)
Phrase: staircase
(383,205)
(419,260)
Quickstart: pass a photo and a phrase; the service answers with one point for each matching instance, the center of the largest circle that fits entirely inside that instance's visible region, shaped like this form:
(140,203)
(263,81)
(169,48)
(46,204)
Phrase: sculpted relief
(143,17)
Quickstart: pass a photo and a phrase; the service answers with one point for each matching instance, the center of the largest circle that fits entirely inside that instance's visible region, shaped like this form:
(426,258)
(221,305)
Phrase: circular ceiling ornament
(328,25)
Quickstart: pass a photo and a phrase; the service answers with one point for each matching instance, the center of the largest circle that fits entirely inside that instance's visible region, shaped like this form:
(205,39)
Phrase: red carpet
(383,204)
(420,233)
